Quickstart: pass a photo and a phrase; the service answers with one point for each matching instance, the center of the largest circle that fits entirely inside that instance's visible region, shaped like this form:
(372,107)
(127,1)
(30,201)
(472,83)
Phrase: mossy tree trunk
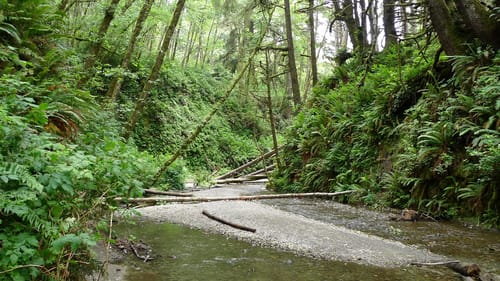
(96,47)
(389,27)
(459,22)
(312,44)
(169,32)
(117,81)
(292,67)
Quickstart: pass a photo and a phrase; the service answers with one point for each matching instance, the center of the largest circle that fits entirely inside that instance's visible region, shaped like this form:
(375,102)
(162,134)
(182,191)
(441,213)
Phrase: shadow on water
(187,254)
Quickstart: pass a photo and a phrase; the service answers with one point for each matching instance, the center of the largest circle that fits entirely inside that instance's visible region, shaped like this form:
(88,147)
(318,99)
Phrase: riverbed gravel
(285,230)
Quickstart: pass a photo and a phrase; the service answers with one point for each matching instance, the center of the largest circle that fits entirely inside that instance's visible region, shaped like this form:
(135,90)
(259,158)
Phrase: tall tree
(312,45)
(96,47)
(117,81)
(389,27)
(146,90)
(292,68)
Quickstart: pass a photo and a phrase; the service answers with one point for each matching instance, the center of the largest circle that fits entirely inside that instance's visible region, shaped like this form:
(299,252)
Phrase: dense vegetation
(99,98)
(413,133)
(63,158)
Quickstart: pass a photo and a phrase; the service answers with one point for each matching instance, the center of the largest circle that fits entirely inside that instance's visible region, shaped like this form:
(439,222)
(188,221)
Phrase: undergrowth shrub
(52,186)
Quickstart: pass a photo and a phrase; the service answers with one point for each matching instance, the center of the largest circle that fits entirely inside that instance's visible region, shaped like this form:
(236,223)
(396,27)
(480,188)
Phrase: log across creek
(232,198)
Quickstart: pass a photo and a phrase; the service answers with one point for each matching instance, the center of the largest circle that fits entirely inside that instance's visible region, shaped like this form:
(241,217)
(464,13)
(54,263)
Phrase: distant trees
(148,85)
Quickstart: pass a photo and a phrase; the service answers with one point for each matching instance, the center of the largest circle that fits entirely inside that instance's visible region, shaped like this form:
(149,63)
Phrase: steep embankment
(404,130)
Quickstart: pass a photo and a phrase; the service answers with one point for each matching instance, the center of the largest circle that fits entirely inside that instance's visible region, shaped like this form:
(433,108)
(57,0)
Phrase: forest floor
(286,230)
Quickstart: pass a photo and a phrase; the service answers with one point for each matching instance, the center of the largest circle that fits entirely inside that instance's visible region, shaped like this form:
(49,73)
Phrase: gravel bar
(287,231)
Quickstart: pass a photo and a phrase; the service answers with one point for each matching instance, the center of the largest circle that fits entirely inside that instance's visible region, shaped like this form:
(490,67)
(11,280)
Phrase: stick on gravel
(246,228)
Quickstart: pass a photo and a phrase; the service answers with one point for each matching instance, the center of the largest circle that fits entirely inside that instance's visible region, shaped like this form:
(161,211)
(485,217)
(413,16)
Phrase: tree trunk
(291,56)
(312,45)
(216,108)
(103,29)
(484,27)
(270,108)
(169,32)
(389,27)
(117,81)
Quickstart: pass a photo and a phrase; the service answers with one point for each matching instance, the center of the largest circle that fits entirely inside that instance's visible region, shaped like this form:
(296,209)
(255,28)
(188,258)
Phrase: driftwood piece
(146,257)
(241,227)
(168,193)
(251,197)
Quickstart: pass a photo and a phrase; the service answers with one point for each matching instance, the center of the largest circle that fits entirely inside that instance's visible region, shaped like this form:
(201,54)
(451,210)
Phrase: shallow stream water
(186,254)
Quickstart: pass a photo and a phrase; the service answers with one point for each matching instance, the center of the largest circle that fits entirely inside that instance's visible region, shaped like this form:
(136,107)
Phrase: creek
(182,253)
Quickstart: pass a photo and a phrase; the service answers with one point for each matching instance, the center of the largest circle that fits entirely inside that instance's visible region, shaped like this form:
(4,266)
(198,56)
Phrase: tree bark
(270,108)
(312,45)
(156,68)
(389,27)
(117,81)
(450,36)
(475,15)
(291,56)
(103,29)
(458,22)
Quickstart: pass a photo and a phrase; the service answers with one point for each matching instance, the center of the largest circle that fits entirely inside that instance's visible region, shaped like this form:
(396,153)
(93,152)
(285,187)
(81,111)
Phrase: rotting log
(233,198)
(168,193)
(241,227)
(243,167)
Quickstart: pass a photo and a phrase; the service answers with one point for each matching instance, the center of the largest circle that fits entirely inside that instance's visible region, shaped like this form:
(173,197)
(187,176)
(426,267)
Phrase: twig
(21,266)
(241,227)
(145,258)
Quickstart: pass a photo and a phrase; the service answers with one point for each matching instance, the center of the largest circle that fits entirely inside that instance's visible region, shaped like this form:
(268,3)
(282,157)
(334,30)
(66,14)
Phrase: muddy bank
(288,231)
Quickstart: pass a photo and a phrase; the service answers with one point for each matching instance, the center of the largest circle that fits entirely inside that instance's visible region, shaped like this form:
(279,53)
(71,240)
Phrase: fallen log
(264,170)
(243,167)
(168,193)
(232,198)
(241,227)
(242,179)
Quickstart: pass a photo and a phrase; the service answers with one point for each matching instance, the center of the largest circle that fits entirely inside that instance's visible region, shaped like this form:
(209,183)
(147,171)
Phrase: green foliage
(182,98)
(426,143)
(52,185)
